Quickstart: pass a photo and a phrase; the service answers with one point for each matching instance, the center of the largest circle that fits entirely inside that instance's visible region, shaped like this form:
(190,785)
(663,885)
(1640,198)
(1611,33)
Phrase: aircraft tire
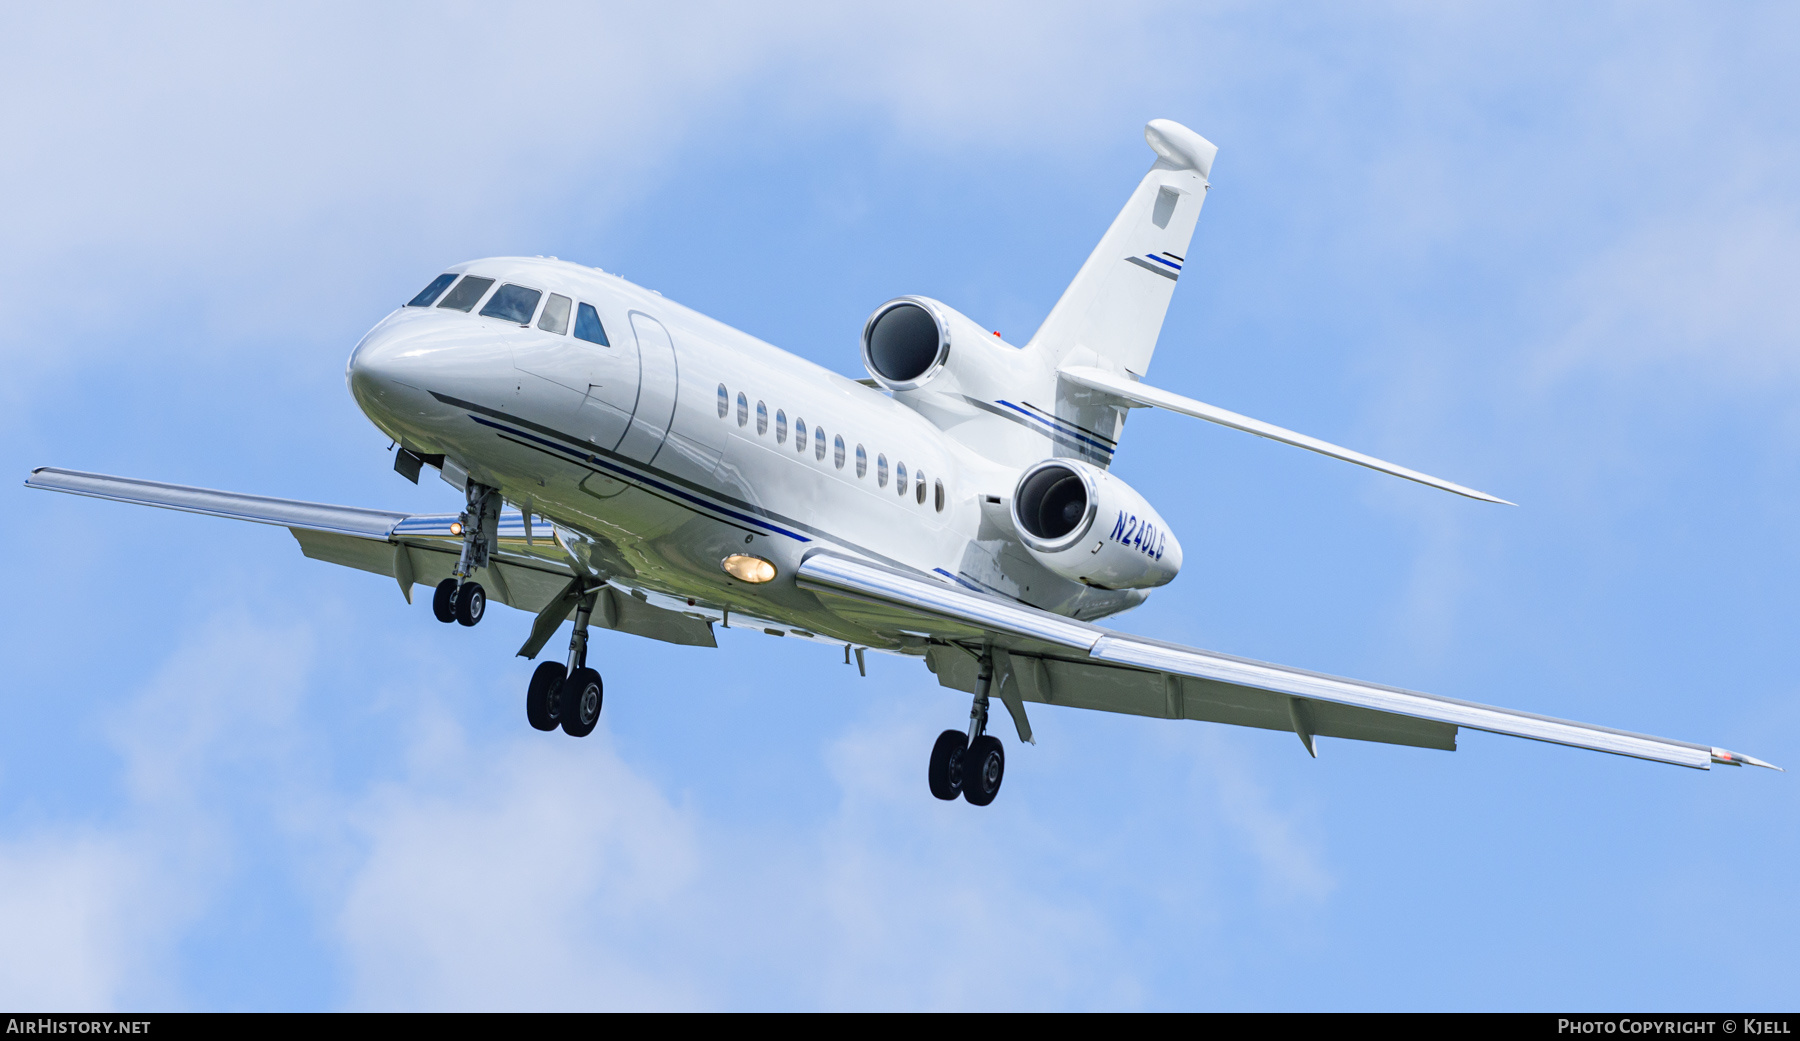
(443,601)
(541,697)
(946,773)
(581,698)
(985,767)
(471,603)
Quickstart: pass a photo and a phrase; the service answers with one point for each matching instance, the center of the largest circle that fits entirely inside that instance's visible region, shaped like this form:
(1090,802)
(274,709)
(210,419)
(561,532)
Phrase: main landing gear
(569,695)
(457,599)
(970,765)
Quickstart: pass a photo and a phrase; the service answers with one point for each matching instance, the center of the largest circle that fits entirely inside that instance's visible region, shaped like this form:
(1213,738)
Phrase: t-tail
(1110,316)
(1101,334)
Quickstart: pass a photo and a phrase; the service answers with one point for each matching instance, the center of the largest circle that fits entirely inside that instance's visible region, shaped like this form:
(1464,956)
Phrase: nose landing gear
(970,765)
(457,599)
(569,695)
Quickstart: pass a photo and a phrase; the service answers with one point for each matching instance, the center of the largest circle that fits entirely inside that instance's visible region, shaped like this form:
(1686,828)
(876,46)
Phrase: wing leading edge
(531,574)
(1056,660)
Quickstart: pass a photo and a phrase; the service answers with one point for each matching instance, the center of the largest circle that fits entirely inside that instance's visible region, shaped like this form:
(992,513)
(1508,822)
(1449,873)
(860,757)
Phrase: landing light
(456,527)
(746,568)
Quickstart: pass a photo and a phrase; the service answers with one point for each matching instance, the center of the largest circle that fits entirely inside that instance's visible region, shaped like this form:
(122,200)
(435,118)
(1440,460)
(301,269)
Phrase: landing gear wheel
(581,696)
(983,766)
(443,601)
(471,603)
(947,758)
(541,701)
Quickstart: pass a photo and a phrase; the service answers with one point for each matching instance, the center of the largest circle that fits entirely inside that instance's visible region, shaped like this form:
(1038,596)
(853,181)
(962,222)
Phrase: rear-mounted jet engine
(1085,524)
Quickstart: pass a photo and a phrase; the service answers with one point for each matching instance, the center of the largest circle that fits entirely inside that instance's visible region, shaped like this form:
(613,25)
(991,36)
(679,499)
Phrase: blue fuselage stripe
(1058,429)
(594,460)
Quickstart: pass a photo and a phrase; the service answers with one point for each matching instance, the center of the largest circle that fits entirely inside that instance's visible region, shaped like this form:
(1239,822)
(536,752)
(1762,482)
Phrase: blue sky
(1547,253)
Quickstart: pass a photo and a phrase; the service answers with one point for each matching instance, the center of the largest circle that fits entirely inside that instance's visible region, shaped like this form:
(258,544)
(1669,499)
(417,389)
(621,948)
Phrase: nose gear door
(657,388)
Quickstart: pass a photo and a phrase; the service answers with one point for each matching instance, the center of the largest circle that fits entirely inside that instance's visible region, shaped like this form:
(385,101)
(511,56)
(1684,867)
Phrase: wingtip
(1728,758)
(1481,496)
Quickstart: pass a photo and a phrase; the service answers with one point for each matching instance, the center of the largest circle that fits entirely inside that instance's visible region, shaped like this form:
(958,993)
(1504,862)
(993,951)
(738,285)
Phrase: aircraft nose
(384,374)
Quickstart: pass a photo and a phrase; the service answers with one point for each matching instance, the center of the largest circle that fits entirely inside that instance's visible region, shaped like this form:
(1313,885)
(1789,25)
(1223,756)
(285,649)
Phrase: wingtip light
(1726,758)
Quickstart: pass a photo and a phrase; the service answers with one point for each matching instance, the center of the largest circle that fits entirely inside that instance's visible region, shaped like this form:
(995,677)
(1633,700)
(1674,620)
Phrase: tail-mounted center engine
(1087,525)
(912,341)
(938,362)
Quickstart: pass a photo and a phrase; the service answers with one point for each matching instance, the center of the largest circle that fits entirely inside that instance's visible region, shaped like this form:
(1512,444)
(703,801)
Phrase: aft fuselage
(660,442)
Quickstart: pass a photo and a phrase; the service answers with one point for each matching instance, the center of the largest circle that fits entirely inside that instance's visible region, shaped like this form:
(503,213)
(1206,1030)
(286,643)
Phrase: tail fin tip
(1180,147)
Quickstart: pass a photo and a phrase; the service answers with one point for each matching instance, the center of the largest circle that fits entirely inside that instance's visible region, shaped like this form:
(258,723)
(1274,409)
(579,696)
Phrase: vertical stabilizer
(1110,316)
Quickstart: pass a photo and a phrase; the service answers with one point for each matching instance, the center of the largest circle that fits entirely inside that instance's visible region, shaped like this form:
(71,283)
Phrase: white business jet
(667,474)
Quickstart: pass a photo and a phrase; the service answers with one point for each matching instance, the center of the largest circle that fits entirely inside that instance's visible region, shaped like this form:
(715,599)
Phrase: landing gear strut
(457,599)
(973,764)
(569,695)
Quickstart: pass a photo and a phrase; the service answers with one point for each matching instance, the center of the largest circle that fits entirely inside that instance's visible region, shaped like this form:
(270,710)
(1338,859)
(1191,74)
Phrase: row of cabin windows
(513,303)
(839,453)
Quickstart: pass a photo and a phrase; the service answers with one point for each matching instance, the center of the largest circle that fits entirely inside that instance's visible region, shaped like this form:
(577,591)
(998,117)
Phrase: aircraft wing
(1050,659)
(533,573)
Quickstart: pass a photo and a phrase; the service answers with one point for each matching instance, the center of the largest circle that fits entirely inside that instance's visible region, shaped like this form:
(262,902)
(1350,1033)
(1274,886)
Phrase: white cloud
(531,875)
(70,939)
(1709,295)
(91,914)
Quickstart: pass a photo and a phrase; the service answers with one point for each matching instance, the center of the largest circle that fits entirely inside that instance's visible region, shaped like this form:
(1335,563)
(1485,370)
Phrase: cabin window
(900,479)
(800,435)
(919,486)
(724,401)
(781,426)
(430,293)
(467,293)
(743,409)
(881,471)
(940,496)
(588,327)
(862,462)
(555,318)
(837,451)
(514,304)
(819,446)
(762,418)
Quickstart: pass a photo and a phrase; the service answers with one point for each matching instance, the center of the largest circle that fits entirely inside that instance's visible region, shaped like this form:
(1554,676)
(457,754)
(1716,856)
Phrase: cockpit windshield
(513,303)
(466,293)
(429,294)
(588,327)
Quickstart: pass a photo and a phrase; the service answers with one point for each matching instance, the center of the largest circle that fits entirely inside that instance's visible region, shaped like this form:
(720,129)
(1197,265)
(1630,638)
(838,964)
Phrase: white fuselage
(680,442)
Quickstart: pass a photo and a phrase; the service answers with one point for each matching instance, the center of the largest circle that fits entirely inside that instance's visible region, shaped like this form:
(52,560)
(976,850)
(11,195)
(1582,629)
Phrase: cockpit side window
(430,293)
(556,315)
(466,293)
(514,304)
(588,327)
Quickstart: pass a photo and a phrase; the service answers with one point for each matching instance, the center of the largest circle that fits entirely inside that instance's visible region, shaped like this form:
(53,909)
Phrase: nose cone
(380,377)
(390,373)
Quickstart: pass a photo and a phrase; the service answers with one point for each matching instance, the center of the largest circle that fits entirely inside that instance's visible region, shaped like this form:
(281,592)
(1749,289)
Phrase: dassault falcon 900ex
(633,464)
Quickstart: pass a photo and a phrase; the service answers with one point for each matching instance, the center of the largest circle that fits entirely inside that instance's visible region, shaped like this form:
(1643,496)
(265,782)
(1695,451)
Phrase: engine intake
(904,344)
(1052,502)
(1087,525)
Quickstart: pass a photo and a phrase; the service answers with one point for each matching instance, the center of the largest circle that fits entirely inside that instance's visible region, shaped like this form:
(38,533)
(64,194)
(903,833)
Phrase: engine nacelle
(1087,525)
(964,379)
(912,341)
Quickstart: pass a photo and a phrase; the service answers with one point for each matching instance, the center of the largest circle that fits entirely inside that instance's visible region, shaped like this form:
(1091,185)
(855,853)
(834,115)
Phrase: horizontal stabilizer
(1138,394)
